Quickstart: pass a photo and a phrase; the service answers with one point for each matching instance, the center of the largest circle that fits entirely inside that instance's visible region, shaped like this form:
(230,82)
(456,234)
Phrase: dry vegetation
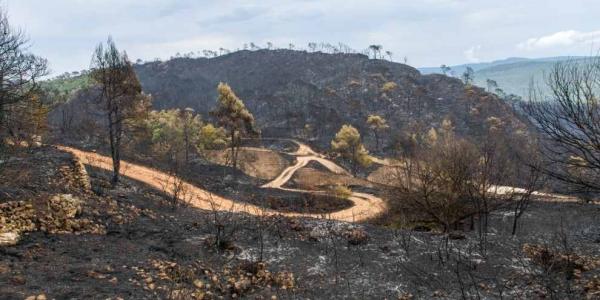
(256,162)
(315,179)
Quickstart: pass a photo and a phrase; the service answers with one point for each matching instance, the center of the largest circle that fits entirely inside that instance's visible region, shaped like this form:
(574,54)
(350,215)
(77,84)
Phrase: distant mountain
(459,69)
(311,95)
(513,75)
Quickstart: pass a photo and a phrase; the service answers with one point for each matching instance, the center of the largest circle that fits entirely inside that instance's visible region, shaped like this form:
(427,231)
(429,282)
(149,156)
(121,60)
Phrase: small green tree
(174,131)
(377,124)
(211,138)
(191,125)
(233,115)
(347,144)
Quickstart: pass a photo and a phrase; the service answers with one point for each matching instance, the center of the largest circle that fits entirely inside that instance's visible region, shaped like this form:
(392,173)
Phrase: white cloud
(561,39)
(472,54)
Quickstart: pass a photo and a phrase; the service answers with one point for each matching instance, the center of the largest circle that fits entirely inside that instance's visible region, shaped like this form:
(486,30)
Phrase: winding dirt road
(365,206)
(304,155)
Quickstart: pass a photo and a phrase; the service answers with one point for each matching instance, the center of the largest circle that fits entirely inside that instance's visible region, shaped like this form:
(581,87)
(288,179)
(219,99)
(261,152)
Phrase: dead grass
(312,179)
(384,175)
(256,162)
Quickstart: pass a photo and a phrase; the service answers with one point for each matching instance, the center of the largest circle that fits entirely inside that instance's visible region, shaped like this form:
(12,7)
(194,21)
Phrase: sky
(426,32)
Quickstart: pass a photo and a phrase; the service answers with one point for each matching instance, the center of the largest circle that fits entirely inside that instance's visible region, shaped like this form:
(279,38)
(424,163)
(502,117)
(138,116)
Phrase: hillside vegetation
(67,85)
(311,95)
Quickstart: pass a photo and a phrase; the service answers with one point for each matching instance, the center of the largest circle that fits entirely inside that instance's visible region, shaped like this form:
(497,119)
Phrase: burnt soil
(150,250)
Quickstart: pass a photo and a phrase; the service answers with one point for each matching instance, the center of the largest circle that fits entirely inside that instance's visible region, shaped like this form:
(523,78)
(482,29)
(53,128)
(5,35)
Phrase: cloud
(429,32)
(472,54)
(240,14)
(174,8)
(561,39)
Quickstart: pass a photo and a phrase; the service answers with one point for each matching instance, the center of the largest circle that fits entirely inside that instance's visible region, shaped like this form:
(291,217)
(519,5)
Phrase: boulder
(66,204)
(242,285)
(318,233)
(9,238)
(356,236)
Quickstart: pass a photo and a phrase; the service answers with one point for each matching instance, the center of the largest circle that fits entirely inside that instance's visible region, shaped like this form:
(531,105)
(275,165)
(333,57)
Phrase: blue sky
(427,32)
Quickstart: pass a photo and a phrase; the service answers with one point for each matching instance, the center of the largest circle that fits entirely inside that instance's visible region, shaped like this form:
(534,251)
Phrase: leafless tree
(223,223)
(492,85)
(263,224)
(253,46)
(389,54)
(498,162)
(532,180)
(553,263)
(447,179)
(445,69)
(345,48)
(174,185)
(468,75)
(436,181)
(404,236)
(120,95)
(19,69)
(569,120)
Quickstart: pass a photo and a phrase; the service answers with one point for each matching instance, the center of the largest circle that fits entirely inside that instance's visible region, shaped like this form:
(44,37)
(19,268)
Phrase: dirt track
(365,206)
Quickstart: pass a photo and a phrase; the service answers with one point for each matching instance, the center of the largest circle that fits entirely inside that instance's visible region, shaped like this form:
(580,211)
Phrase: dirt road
(365,206)
(304,155)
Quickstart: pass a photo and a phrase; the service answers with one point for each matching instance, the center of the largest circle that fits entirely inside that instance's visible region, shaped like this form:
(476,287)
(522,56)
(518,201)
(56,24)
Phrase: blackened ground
(245,189)
(161,252)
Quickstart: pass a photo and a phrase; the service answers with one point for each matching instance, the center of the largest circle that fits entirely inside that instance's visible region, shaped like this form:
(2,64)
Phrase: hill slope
(288,90)
(311,95)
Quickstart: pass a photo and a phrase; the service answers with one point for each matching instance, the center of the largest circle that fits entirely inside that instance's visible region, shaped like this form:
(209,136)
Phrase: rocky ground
(81,241)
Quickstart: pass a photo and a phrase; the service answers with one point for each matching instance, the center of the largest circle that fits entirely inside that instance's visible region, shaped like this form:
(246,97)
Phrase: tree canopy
(348,145)
(376,124)
(232,114)
(120,95)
